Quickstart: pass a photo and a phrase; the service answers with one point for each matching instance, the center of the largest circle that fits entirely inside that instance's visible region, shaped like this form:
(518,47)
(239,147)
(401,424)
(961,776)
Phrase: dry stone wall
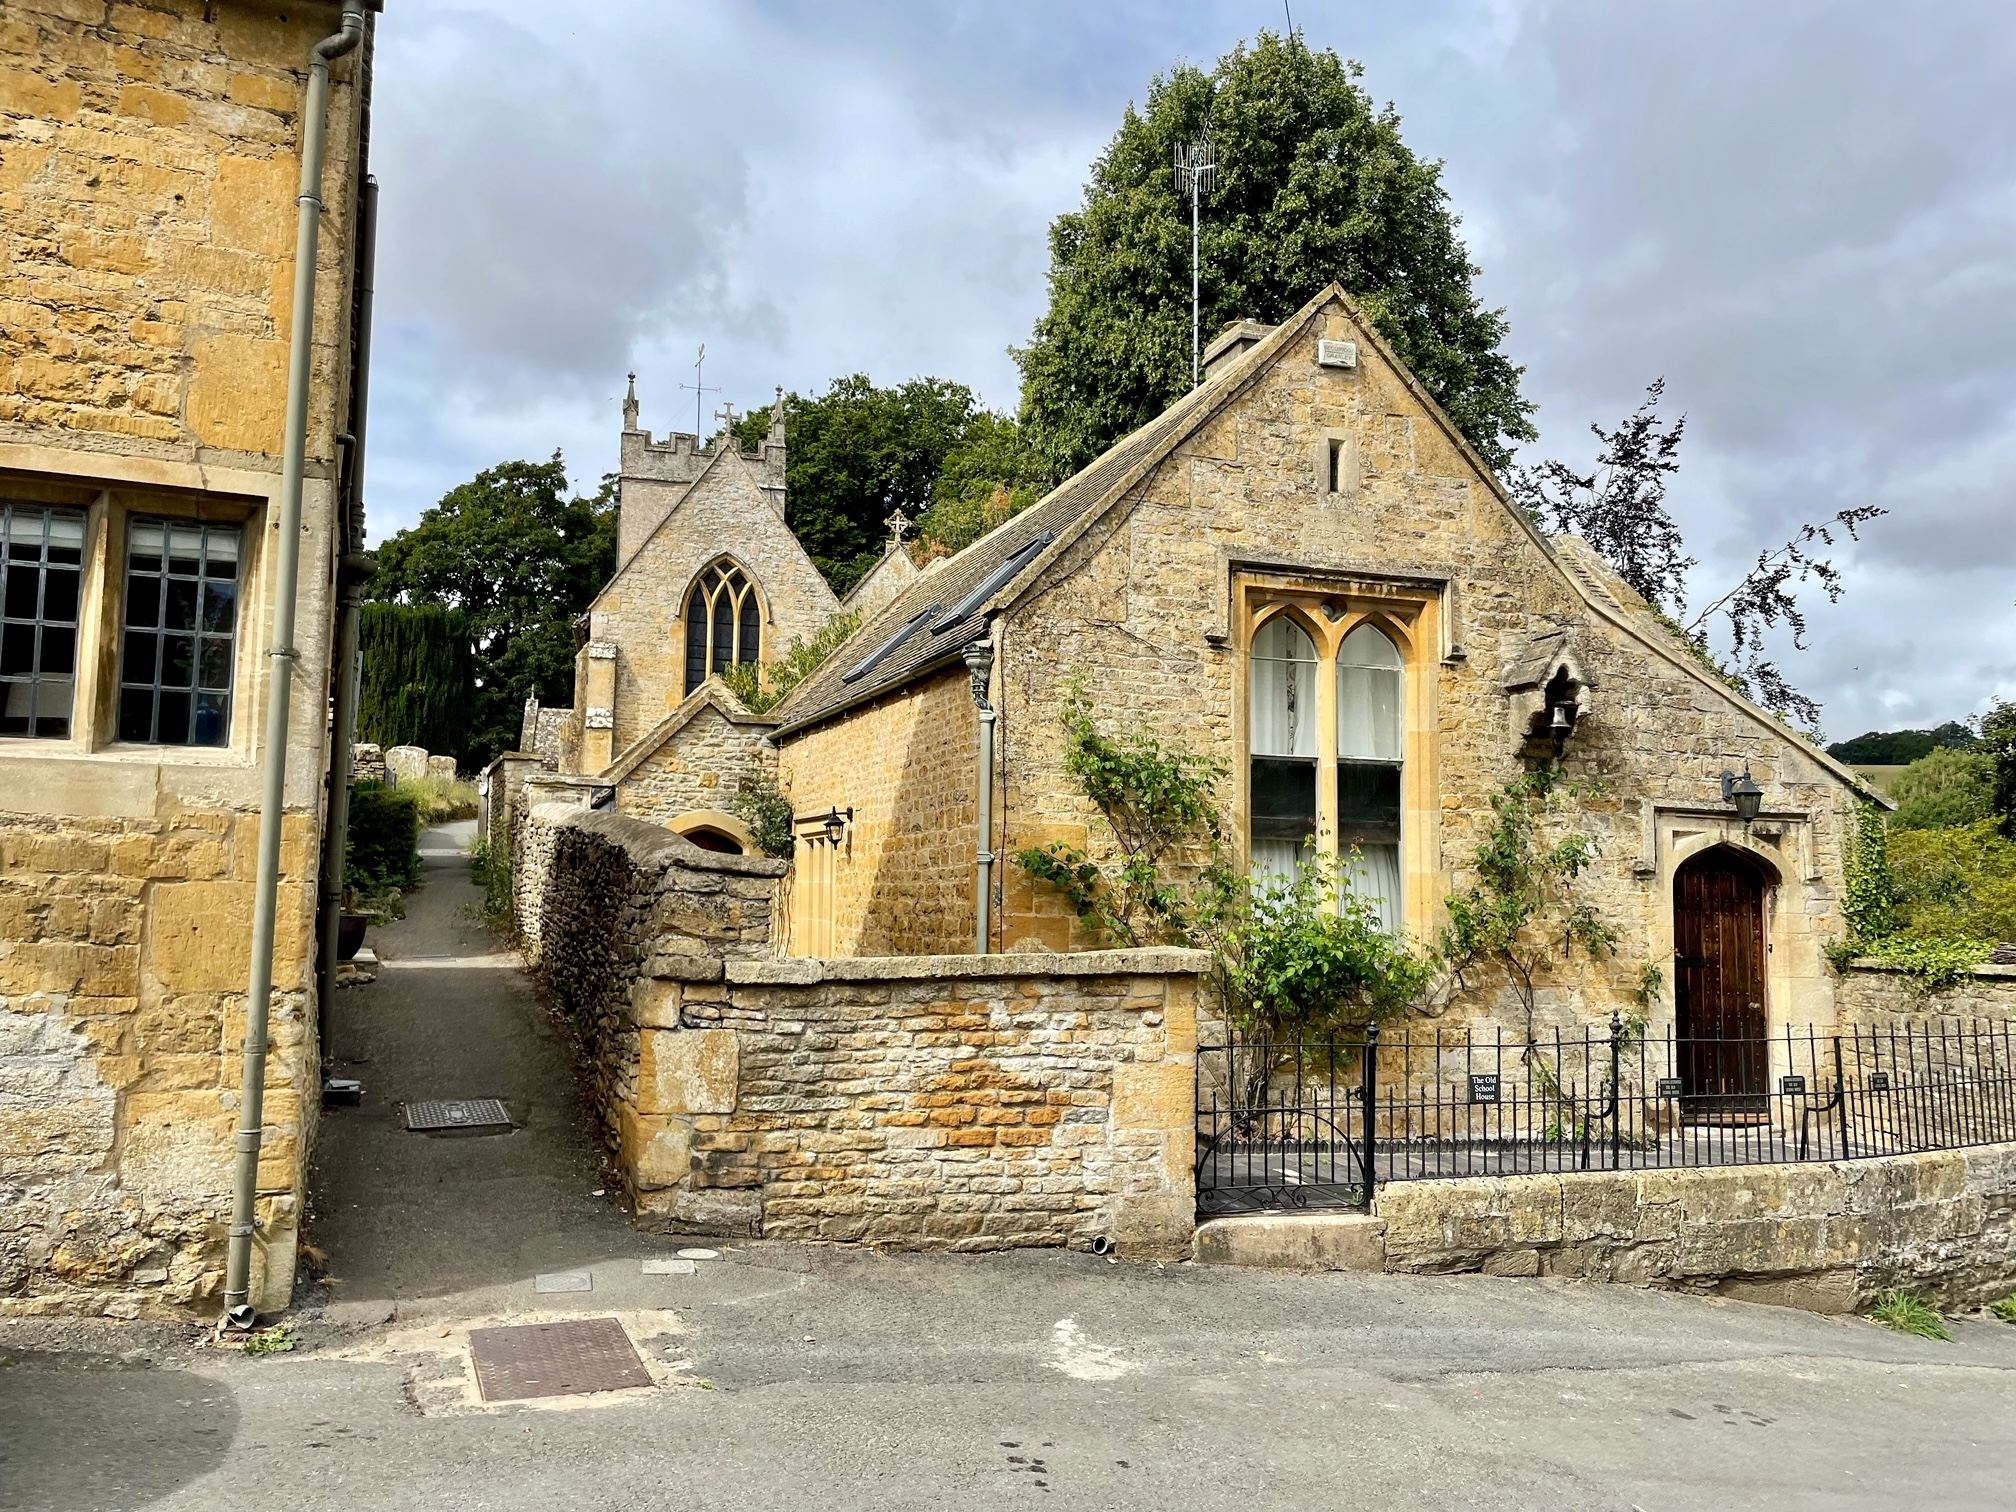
(1872,996)
(953,1102)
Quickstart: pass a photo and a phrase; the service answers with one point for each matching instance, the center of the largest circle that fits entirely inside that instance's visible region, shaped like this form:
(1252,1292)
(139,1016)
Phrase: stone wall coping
(2006,973)
(653,844)
(803,971)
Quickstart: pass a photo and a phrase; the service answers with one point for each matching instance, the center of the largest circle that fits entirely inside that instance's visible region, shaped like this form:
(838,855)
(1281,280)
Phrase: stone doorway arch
(1721,986)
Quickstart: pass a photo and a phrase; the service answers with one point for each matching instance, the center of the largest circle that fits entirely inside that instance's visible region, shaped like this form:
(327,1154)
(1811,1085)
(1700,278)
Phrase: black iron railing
(1291,1123)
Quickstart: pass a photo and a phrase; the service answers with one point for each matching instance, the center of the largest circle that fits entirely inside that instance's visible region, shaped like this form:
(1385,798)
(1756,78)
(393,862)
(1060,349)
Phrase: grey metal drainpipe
(281,657)
(980,662)
(353,570)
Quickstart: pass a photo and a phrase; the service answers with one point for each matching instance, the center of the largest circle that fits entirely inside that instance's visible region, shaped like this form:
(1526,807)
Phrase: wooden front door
(1718,977)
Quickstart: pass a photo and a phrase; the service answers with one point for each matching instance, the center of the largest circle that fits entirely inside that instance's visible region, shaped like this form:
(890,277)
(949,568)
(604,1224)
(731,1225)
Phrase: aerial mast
(1197,176)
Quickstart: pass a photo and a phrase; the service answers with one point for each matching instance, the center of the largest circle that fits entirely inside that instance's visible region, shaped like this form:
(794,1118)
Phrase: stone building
(708,575)
(150,157)
(1303,570)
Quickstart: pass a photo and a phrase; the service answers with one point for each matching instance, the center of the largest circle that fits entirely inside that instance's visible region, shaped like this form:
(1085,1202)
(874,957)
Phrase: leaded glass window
(43,553)
(1283,746)
(180,632)
(724,623)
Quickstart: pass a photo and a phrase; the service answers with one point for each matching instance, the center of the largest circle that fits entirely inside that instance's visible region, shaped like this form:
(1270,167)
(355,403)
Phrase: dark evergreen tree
(419,682)
(521,560)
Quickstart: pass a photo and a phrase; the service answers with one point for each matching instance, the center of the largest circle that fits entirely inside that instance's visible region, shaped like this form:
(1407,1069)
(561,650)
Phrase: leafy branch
(1619,508)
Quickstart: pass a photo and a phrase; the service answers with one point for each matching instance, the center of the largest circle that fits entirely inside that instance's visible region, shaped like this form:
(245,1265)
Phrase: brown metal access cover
(555,1359)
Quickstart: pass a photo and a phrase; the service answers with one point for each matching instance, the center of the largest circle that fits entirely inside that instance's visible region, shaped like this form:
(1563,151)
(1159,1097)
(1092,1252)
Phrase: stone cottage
(1304,570)
(708,576)
(150,159)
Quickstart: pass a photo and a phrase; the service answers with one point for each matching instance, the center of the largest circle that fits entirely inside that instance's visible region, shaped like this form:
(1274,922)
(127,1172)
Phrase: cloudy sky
(1800,214)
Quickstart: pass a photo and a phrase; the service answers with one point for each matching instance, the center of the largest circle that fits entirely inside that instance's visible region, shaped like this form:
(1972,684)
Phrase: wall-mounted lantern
(1744,793)
(835,823)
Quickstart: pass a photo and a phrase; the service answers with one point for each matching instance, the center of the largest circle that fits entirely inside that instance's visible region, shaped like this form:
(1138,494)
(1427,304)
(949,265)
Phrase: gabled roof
(1059,516)
(1069,510)
(712,694)
(726,449)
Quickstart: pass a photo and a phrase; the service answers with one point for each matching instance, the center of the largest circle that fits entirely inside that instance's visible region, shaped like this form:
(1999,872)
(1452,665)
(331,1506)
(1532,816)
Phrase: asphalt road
(787,1377)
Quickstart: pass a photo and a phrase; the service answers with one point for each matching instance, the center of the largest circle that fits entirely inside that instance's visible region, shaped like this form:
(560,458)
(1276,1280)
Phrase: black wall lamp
(835,823)
(1744,793)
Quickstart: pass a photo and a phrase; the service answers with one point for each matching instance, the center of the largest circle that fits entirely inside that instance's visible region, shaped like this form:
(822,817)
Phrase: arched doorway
(1719,975)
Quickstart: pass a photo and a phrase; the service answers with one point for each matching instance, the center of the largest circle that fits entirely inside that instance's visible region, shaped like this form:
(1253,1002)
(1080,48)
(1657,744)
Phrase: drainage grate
(555,1359)
(472,1113)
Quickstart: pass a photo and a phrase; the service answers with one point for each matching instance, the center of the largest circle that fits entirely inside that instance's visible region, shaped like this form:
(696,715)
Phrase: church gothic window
(1295,754)
(724,623)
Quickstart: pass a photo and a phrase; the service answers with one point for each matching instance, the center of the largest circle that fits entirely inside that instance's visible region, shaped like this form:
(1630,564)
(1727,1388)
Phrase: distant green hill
(1901,747)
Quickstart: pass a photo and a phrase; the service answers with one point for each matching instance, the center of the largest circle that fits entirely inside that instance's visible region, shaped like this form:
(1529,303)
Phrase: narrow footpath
(405,1216)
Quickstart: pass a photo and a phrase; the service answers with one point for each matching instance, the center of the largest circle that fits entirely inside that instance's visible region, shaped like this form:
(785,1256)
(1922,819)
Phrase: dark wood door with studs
(1718,978)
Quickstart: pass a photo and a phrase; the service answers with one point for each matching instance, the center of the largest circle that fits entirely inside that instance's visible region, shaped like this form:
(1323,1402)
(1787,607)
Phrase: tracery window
(724,623)
(1295,755)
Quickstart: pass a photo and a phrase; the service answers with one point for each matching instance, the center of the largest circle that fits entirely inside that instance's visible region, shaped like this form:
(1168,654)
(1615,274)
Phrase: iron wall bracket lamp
(1744,794)
(829,826)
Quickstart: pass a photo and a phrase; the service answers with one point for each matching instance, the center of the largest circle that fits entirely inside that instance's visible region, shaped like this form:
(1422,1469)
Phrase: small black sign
(1669,1086)
(1792,1086)
(1879,1081)
(1483,1087)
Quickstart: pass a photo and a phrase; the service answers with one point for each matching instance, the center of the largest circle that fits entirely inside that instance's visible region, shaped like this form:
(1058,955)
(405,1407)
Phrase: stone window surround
(1798,987)
(1410,613)
(766,649)
(108,508)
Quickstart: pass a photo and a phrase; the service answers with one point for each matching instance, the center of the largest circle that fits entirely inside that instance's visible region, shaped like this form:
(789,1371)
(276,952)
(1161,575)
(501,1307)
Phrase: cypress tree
(419,678)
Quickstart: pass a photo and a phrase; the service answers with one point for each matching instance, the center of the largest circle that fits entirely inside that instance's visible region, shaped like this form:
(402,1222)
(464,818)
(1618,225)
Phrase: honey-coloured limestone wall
(1151,599)
(901,881)
(944,1102)
(149,168)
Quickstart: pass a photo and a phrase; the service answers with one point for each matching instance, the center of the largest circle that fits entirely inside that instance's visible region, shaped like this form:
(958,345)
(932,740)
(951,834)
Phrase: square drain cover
(473,1113)
(555,1359)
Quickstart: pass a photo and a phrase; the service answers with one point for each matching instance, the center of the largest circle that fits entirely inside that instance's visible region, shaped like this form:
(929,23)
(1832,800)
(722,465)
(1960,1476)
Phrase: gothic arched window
(1368,767)
(724,623)
(1283,745)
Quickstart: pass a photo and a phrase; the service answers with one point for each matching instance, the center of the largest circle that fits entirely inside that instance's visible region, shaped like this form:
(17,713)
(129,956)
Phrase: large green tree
(1314,185)
(857,452)
(521,558)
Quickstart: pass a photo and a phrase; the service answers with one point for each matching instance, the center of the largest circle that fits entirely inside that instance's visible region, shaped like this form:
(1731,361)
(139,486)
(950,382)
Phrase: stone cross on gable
(726,415)
(897,523)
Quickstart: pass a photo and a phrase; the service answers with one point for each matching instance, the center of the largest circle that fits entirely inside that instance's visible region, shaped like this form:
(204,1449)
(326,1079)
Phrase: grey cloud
(1800,214)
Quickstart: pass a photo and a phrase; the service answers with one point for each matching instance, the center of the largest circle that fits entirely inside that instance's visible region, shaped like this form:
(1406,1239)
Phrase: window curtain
(1368,697)
(1372,872)
(1284,690)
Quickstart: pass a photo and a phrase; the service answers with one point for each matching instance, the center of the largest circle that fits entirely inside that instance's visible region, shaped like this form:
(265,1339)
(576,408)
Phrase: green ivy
(759,804)
(1305,957)
(1157,798)
(1870,906)
(1933,965)
(1523,907)
(762,686)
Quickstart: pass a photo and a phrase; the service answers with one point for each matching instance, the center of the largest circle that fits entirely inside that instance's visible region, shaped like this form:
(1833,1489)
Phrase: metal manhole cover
(470,1113)
(554,1359)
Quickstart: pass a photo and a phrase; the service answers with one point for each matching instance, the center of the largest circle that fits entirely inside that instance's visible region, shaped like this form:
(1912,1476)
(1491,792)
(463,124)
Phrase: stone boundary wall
(1824,1236)
(1873,996)
(939,1102)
